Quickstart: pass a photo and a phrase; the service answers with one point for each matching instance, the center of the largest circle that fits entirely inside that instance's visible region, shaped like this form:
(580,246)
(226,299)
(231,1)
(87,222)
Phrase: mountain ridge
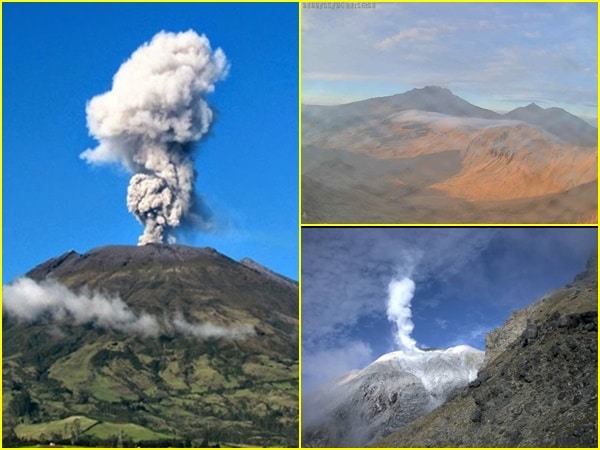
(125,254)
(437,99)
(559,122)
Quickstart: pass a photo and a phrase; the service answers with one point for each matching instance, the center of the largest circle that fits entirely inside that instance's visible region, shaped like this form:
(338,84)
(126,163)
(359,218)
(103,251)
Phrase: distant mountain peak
(533,107)
(433,91)
(431,99)
(557,121)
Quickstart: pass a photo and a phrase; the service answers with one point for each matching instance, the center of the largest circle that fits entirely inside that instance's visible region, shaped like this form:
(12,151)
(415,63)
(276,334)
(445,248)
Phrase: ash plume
(150,121)
(398,311)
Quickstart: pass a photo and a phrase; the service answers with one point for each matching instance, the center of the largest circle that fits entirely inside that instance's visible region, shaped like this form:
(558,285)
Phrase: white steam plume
(29,300)
(149,122)
(398,311)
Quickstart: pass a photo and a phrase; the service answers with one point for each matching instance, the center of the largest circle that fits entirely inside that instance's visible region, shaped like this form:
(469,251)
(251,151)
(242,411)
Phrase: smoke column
(398,311)
(149,122)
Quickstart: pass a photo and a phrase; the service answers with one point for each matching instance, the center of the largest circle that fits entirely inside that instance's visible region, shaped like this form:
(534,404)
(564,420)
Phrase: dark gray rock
(476,416)
(531,331)
(529,334)
(569,321)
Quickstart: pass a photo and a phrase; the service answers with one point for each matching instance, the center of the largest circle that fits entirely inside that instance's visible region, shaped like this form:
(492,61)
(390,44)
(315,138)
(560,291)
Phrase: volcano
(90,384)
(428,156)
(538,386)
(399,387)
(535,386)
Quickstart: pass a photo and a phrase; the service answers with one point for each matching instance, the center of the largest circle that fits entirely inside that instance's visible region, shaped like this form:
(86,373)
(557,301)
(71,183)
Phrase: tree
(75,431)
(10,438)
(21,404)
(84,396)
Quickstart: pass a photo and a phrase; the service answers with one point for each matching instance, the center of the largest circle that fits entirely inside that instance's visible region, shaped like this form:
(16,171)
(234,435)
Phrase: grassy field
(45,431)
(119,390)
(62,429)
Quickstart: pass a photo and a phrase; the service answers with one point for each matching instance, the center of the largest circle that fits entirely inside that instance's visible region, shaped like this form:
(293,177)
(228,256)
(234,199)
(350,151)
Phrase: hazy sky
(58,56)
(468,280)
(496,55)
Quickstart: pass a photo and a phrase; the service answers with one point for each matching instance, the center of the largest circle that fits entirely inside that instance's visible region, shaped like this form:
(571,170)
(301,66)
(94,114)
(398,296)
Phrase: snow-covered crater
(394,390)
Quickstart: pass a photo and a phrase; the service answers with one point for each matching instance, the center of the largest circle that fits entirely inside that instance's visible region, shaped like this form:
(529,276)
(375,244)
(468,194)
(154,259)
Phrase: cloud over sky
(467,281)
(498,56)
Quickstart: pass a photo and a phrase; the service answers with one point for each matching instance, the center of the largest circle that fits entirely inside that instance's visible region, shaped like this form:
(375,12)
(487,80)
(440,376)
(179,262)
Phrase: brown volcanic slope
(414,166)
(377,201)
(516,162)
(539,386)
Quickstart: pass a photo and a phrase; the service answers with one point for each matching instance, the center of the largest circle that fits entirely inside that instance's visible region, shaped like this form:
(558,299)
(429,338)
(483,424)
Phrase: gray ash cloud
(150,121)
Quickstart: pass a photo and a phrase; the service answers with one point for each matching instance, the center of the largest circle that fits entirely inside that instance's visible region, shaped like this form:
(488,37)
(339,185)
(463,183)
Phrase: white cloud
(346,272)
(409,35)
(327,364)
(29,300)
(532,34)
(414,35)
(456,46)
(442,323)
(338,76)
(210,330)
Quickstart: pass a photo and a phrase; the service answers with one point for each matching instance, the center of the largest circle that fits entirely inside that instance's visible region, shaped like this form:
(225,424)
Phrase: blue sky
(56,57)
(495,55)
(468,281)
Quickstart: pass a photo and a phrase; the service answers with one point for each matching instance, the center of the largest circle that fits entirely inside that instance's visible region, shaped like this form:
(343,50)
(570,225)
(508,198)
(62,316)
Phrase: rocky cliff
(538,387)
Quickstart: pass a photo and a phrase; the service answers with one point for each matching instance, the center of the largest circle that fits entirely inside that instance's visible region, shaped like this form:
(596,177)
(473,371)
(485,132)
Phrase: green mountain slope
(177,384)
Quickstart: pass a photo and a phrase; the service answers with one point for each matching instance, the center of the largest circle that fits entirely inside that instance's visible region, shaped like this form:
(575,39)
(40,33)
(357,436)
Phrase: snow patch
(435,368)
